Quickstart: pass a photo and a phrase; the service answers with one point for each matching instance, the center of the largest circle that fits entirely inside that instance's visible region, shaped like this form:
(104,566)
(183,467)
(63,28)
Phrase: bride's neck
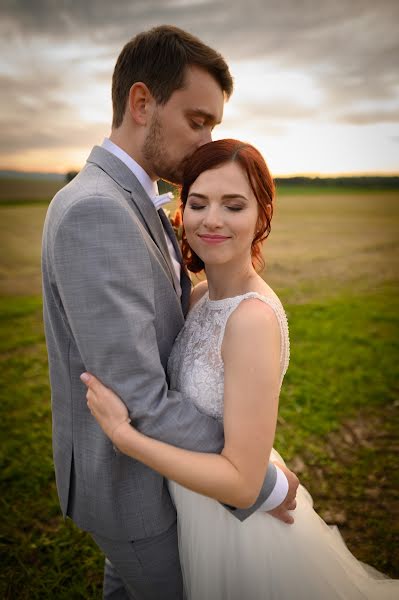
(225,281)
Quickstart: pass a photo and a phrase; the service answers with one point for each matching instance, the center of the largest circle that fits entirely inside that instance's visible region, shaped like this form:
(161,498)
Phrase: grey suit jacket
(111,308)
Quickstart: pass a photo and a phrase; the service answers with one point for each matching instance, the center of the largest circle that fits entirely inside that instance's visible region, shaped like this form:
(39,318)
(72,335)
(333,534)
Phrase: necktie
(173,247)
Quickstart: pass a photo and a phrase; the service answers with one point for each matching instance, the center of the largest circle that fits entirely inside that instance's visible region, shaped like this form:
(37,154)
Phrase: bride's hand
(105,405)
(282,512)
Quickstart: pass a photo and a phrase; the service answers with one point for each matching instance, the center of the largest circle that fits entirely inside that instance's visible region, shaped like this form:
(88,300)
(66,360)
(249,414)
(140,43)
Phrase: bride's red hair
(216,154)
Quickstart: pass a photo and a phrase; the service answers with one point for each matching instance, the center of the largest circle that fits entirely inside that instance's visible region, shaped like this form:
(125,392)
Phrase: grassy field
(333,260)
(30,189)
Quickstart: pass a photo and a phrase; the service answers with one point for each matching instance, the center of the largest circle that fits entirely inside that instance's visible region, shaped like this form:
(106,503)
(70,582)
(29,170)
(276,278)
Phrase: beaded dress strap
(230,304)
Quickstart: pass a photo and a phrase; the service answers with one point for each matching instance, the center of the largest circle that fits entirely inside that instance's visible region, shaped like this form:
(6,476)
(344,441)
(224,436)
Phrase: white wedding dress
(260,558)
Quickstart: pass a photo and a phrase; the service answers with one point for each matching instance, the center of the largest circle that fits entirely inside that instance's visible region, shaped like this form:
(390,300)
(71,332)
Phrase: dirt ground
(368,444)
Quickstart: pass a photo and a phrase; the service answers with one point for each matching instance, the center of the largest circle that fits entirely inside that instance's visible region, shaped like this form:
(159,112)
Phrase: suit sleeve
(104,276)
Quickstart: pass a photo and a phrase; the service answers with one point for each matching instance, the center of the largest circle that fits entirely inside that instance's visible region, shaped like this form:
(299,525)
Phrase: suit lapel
(124,177)
(155,229)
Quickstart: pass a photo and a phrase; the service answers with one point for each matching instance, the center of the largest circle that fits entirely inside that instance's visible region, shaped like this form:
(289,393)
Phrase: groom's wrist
(278,494)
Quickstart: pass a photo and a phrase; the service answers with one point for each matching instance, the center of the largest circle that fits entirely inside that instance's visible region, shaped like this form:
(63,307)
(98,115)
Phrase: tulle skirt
(262,558)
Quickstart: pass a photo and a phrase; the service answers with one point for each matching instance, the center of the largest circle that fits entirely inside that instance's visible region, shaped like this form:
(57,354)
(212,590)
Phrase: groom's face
(183,124)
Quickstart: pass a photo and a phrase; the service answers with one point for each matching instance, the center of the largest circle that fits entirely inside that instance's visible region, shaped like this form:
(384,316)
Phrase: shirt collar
(150,186)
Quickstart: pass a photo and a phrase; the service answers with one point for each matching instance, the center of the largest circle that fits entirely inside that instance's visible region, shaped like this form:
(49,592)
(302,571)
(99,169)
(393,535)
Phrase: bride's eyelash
(230,208)
(235,208)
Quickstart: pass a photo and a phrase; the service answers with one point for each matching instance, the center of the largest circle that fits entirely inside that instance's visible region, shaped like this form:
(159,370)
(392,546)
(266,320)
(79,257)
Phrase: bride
(230,359)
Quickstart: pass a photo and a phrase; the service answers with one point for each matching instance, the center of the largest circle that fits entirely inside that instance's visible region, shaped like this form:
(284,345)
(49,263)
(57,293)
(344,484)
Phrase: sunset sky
(316,82)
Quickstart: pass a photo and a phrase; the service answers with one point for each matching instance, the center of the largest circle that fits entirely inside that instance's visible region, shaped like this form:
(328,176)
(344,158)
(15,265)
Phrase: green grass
(336,346)
(42,556)
(342,361)
(332,259)
(344,371)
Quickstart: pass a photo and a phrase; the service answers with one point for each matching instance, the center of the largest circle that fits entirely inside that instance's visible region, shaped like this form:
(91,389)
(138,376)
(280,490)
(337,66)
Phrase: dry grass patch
(320,244)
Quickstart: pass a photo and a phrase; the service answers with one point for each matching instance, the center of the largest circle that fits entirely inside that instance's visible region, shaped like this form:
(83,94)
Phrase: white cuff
(278,494)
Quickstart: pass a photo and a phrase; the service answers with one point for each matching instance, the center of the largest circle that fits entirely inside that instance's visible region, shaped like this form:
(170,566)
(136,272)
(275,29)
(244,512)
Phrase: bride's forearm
(212,475)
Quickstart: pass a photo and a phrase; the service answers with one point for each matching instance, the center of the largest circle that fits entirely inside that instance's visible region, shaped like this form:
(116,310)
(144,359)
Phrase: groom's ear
(141,103)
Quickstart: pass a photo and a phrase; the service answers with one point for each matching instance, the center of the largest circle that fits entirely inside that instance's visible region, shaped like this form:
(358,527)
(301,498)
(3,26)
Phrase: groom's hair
(159,58)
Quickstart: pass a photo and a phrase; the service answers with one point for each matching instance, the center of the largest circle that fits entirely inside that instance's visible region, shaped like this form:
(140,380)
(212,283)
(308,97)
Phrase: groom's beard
(155,151)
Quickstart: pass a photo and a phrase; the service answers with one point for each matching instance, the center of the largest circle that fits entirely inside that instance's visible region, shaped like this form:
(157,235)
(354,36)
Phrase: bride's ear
(141,103)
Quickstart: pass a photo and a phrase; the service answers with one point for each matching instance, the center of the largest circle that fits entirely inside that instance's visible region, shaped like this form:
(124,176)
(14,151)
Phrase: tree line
(388,182)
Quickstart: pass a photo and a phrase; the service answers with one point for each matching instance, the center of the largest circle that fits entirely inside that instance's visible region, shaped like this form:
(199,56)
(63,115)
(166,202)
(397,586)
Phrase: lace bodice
(195,365)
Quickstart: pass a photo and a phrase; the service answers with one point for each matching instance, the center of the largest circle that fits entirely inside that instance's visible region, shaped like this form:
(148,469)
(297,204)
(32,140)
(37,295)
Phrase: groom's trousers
(145,569)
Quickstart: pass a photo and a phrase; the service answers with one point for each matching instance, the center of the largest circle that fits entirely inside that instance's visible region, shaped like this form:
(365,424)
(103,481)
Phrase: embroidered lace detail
(195,365)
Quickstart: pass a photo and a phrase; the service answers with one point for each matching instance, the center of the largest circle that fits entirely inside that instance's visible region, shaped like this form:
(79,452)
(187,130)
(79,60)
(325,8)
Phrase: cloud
(276,112)
(54,54)
(282,28)
(349,46)
(369,117)
(120,19)
(37,114)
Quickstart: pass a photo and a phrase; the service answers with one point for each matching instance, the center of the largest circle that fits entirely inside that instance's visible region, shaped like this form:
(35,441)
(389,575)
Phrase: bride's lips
(209,238)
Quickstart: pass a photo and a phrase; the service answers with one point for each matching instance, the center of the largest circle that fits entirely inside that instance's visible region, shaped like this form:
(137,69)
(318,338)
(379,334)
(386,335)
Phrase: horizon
(381,174)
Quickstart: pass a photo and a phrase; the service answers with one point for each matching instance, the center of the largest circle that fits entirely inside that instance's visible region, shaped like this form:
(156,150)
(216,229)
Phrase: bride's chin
(215,263)
(212,256)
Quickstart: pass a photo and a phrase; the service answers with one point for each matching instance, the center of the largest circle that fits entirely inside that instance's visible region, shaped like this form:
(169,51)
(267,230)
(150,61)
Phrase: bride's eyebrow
(224,197)
(234,197)
(197,195)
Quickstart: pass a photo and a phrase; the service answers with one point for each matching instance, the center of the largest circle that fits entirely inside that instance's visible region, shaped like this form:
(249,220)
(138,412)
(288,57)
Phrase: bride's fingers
(85,378)
(282,514)
(289,520)
(92,382)
(90,397)
(285,517)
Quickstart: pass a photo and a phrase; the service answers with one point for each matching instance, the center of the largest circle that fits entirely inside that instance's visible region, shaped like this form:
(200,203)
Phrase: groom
(115,296)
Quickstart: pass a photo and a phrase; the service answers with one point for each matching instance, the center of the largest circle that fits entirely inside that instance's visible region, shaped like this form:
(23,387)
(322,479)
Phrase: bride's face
(220,216)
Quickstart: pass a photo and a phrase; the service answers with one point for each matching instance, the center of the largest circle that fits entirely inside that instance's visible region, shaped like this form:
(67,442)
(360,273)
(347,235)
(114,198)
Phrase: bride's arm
(251,350)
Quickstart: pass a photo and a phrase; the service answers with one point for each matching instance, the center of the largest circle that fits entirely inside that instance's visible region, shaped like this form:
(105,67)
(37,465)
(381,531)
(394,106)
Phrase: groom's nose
(206,137)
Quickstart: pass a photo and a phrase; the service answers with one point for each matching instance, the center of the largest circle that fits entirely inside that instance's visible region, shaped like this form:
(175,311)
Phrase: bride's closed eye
(195,205)
(234,208)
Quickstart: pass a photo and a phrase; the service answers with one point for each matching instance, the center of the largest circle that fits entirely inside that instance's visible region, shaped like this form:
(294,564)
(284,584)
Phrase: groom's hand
(281,512)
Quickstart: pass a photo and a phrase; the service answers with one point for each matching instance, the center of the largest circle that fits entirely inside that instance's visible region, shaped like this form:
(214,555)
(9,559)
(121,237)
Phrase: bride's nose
(212,217)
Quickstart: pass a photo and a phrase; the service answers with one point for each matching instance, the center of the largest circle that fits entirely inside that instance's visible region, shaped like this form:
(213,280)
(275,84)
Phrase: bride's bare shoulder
(251,326)
(198,291)
(254,318)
